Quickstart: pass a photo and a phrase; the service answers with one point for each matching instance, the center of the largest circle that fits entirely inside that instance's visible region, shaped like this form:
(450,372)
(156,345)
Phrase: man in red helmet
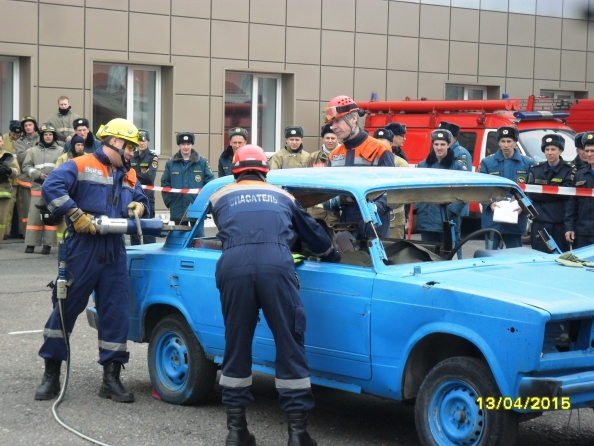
(358,149)
(256,270)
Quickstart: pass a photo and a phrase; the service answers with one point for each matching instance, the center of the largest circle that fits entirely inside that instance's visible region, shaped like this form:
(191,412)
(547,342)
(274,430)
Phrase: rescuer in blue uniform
(256,270)
(186,170)
(146,163)
(579,213)
(429,217)
(85,187)
(508,163)
(551,208)
(460,152)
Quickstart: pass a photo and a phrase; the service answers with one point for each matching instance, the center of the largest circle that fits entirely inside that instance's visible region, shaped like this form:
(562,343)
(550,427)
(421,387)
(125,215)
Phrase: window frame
(130,69)
(468,87)
(16,97)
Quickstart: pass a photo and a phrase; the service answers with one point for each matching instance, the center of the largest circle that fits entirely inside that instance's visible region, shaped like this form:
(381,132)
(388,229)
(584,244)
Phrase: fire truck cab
(479,121)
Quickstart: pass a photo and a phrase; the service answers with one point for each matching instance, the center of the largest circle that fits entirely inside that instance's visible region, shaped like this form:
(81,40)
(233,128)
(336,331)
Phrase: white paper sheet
(505,212)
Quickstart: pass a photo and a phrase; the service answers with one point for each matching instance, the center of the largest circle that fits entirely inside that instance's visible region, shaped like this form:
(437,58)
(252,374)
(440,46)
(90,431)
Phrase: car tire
(446,411)
(179,369)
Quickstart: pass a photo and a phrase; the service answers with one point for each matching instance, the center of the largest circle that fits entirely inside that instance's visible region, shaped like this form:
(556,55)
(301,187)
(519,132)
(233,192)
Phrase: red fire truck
(478,120)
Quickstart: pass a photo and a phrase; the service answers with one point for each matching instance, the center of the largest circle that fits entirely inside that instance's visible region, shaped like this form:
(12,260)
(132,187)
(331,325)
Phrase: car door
(337,301)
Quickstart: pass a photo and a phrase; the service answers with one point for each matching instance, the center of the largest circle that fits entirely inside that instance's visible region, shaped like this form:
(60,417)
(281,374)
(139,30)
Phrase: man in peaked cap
(551,208)
(579,220)
(292,155)
(460,152)
(509,163)
(185,170)
(83,129)
(399,131)
(580,159)
(237,138)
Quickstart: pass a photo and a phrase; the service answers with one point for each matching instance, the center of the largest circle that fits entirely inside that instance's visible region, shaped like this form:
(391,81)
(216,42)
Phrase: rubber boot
(50,384)
(238,431)
(298,435)
(29,249)
(46,250)
(112,387)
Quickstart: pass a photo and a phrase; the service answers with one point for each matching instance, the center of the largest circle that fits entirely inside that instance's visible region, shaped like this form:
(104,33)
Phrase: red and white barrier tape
(172,190)
(556,190)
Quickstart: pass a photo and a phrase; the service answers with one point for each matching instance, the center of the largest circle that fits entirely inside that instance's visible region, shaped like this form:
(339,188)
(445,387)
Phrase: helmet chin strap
(352,127)
(122,152)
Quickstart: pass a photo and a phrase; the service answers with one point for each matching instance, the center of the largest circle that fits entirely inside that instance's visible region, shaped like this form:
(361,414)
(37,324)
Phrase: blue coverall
(95,262)
(256,270)
(516,169)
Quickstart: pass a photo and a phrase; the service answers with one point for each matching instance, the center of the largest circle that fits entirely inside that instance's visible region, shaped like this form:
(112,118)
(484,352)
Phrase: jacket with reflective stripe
(63,124)
(88,183)
(41,160)
(6,186)
(21,146)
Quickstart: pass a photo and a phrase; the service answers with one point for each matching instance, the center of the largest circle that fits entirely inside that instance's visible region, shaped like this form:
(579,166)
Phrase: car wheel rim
(172,361)
(454,416)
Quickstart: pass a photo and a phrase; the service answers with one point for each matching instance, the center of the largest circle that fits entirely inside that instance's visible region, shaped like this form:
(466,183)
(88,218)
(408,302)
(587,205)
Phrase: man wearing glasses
(579,211)
(83,188)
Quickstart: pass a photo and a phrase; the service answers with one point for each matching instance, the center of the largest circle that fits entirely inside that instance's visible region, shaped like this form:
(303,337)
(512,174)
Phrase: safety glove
(135,205)
(298,259)
(82,222)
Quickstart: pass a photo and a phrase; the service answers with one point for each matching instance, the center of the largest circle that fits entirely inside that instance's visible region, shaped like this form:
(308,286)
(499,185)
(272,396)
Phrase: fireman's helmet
(250,157)
(338,107)
(45,128)
(29,119)
(121,129)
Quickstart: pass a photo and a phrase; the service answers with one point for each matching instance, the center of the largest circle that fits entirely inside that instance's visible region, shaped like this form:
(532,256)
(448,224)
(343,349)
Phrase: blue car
(479,344)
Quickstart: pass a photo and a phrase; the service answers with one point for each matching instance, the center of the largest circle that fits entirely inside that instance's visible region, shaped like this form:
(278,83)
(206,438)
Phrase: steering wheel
(470,236)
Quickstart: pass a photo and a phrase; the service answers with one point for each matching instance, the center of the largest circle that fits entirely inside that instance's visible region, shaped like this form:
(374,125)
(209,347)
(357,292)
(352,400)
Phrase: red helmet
(250,157)
(338,107)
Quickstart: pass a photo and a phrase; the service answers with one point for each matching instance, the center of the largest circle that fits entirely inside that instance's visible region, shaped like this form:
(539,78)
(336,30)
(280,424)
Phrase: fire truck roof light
(541,115)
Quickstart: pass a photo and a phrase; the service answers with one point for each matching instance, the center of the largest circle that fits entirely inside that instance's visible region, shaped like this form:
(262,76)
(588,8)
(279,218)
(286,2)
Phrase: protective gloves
(570,259)
(82,222)
(135,205)
(298,259)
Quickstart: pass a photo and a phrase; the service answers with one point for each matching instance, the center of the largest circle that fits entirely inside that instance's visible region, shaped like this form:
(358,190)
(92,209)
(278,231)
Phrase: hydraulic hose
(61,294)
(455,249)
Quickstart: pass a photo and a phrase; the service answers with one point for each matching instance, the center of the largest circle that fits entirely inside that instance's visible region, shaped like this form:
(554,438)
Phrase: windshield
(530,141)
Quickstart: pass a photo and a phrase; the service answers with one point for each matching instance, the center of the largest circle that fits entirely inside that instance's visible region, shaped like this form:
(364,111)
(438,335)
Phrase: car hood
(559,290)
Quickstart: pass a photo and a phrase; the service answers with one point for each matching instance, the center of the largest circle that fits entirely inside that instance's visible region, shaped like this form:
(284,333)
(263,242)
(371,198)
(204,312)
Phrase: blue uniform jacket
(225,162)
(462,154)
(516,169)
(551,208)
(256,221)
(579,213)
(184,175)
(429,214)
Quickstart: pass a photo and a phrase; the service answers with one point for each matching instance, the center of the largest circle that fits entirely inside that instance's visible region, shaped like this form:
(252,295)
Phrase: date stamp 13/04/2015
(531,403)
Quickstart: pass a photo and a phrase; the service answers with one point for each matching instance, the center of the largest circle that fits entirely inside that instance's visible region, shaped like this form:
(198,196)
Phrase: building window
(253,101)
(465,92)
(555,94)
(128,91)
(9,89)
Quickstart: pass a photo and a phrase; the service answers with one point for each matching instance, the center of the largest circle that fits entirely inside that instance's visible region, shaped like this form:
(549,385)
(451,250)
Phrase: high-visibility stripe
(302,383)
(228,381)
(36,193)
(42,165)
(57,202)
(24,220)
(34,228)
(48,333)
(6,194)
(51,228)
(23,183)
(113,346)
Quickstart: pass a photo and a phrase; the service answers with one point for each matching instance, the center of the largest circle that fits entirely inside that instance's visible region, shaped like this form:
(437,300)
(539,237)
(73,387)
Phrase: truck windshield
(530,141)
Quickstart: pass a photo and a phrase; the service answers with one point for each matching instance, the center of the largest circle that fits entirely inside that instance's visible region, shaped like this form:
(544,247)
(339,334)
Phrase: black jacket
(551,208)
(579,211)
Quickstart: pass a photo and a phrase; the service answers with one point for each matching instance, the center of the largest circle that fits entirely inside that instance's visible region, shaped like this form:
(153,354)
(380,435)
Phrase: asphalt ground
(340,418)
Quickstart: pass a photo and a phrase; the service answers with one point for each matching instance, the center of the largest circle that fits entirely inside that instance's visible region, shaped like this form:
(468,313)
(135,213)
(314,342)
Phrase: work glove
(570,259)
(135,205)
(298,259)
(82,222)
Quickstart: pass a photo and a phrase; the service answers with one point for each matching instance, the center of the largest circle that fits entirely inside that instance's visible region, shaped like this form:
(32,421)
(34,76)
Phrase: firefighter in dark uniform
(399,131)
(580,159)
(551,208)
(579,212)
(237,138)
(508,163)
(460,152)
(256,270)
(146,163)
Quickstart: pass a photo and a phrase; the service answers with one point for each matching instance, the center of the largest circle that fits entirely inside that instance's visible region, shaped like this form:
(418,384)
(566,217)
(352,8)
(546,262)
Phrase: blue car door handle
(187,264)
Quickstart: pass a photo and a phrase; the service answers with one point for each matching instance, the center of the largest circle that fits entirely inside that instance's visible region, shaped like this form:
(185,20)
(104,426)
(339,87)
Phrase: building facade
(206,65)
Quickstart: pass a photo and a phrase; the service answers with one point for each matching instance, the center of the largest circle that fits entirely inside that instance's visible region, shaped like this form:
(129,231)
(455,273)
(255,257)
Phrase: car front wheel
(447,412)
(179,369)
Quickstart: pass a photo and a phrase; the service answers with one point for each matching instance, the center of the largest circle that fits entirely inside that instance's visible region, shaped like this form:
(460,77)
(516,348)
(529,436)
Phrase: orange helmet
(250,157)
(338,107)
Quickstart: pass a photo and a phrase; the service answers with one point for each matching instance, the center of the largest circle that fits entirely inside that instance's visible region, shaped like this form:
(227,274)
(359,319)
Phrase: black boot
(238,431)
(50,384)
(46,250)
(29,249)
(112,387)
(298,435)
